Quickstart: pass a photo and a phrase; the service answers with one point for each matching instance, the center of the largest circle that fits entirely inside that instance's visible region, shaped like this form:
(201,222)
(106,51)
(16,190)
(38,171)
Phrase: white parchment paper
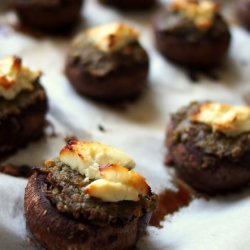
(139,129)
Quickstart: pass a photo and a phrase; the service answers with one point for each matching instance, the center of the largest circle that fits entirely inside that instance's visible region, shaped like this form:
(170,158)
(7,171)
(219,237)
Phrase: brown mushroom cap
(118,85)
(129,4)
(225,174)
(243,12)
(55,230)
(21,127)
(51,18)
(205,52)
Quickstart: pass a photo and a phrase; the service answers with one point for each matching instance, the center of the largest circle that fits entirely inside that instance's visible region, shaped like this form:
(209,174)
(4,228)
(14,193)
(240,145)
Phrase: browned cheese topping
(216,129)
(94,181)
(201,13)
(14,77)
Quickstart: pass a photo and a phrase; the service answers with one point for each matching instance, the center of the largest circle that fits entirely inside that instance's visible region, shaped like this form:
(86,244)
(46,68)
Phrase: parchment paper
(139,129)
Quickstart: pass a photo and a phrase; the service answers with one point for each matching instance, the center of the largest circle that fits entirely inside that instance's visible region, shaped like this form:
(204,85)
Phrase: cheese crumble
(108,167)
(14,77)
(201,13)
(111,37)
(227,119)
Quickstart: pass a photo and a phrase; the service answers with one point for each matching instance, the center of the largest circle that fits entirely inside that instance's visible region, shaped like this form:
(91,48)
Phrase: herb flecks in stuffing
(65,189)
(202,137)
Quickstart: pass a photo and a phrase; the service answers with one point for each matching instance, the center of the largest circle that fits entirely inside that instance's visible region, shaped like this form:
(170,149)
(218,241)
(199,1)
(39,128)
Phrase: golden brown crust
(57,231)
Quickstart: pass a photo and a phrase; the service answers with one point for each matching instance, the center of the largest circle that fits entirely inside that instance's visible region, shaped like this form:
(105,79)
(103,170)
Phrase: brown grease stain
(194,75)
(20,28)
(23,171)
(170,202)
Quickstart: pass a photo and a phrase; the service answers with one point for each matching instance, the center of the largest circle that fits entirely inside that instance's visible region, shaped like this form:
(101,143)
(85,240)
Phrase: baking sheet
(138,128)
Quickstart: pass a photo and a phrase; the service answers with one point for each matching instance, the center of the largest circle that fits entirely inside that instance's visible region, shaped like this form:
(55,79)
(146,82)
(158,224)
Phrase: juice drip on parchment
(171,201)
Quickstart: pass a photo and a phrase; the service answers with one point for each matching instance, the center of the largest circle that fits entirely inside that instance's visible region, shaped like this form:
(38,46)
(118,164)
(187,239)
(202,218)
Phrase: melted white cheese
(14,77)
(111,37)
(118,183)
(108,167)
(201,13)
(112,191)
(230,120)
(86,157)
